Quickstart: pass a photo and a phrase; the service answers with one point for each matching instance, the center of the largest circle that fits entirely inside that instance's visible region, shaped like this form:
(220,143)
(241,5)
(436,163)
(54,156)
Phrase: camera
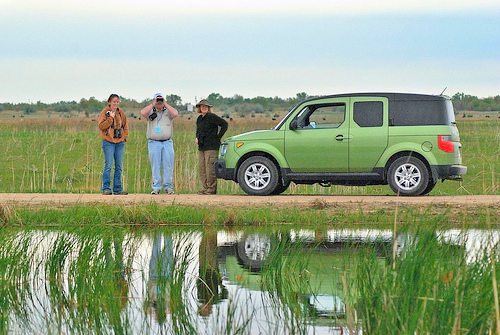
(159,99)
(117,133)
(154,114)
(108,113)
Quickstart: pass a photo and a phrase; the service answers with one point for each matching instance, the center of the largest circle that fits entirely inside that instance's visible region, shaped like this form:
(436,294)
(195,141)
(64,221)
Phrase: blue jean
(161,155)
(112,151)
(162,258)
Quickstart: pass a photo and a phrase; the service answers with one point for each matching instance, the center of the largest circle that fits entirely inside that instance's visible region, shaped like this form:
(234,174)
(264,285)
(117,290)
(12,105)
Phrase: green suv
(408,141)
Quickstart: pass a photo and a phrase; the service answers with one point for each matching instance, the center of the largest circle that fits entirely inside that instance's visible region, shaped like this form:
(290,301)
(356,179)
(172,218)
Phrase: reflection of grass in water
(88,288)
(88,281)
(16,274)
(433,289)
(286,278)
(183,321)
(84,286)
(79,281)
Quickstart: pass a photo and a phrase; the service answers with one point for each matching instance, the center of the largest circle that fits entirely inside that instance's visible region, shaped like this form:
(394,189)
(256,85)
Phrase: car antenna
(444,90)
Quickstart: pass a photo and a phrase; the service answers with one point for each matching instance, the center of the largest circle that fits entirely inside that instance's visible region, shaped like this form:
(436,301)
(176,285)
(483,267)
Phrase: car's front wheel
(408,176)
(258,175)
(253,251)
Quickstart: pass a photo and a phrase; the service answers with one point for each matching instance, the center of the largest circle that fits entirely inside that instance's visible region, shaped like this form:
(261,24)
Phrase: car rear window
(421,112)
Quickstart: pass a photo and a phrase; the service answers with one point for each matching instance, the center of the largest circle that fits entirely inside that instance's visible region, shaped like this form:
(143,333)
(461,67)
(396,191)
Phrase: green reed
(16,255)
(286,278)
(66,156)
(87,281)
(430,288)
(81,280)
(95,280)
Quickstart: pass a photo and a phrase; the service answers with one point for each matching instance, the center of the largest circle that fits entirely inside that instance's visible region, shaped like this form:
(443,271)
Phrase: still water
(213,281)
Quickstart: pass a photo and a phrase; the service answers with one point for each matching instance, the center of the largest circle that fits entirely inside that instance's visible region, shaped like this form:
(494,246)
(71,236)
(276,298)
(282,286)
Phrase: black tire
(408,176)
(430,186)
(281,187)
(253,251)
(258,175)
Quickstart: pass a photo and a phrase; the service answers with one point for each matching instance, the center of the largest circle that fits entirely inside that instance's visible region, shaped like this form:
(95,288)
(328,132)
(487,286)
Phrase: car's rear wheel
(258,175)
(408,176)
(281,187)
(430,186)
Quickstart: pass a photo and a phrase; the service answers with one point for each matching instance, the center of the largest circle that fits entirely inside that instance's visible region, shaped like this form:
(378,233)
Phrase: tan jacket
(107,124)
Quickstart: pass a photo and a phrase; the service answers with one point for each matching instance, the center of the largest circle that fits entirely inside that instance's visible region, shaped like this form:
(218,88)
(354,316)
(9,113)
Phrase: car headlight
(223,149)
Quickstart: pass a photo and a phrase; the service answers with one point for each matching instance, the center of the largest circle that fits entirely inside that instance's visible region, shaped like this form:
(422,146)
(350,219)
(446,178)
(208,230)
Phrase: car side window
(324,116)
(369,113)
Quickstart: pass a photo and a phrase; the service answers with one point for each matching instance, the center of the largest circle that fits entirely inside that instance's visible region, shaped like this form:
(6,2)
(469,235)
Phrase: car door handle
(341,137)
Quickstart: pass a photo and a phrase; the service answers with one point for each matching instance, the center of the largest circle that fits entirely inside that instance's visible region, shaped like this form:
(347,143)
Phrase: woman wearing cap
(114,133)
(209,130)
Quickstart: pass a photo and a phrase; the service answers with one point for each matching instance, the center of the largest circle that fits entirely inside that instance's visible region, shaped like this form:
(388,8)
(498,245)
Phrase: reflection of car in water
(253,250)
(334,252)
(243,257)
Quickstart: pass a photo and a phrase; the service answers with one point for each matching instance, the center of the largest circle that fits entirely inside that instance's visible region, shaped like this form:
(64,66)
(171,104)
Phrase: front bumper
(222,172)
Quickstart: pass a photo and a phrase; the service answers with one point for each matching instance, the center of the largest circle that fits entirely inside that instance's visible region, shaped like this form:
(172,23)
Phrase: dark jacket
(209,130)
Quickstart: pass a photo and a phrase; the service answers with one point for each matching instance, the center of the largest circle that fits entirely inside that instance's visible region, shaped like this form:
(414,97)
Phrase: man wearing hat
(159,116)
(209,130)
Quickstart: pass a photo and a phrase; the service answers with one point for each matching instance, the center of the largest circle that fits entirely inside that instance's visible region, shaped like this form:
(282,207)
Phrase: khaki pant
(206,160)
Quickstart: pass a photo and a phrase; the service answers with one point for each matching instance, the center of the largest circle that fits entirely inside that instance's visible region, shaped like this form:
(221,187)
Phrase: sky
(65,50)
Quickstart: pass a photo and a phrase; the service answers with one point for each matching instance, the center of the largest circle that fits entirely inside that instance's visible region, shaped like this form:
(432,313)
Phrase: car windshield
(283,120)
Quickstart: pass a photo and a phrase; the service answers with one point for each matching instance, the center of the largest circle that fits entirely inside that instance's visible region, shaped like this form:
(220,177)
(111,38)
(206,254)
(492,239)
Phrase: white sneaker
(170,190)
(155,192)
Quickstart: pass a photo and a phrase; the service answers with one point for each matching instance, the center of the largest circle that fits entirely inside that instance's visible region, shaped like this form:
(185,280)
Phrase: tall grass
(66,156)
(434,288)
(286,279)
(154,214)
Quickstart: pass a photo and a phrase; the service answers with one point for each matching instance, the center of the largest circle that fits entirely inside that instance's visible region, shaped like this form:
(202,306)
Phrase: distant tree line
(235,104)
(88,106)
(465,102)
(240,105)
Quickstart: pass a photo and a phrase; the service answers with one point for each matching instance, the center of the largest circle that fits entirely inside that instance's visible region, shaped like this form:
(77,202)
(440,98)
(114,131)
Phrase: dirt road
(358,201)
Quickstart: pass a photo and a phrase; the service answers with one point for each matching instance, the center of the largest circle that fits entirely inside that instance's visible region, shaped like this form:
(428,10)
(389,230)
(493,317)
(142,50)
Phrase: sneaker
(201,192)
(107,192)
(170,190)
(155,192)
(121,193)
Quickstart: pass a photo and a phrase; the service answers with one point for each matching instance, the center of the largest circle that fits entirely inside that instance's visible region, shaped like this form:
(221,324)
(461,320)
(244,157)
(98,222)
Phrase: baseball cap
(158,95)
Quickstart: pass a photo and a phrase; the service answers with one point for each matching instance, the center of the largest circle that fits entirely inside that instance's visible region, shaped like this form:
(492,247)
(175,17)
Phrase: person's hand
(196,140)
(112,113)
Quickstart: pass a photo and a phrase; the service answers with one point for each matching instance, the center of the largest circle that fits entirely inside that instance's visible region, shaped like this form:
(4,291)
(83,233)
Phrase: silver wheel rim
(257,176)
(257,247)
(407,177)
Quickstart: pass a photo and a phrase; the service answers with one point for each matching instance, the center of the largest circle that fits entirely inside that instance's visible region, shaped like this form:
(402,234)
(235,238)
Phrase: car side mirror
(293,124)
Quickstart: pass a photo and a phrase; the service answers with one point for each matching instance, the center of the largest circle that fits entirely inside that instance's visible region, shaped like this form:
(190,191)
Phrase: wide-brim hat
(203,102)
